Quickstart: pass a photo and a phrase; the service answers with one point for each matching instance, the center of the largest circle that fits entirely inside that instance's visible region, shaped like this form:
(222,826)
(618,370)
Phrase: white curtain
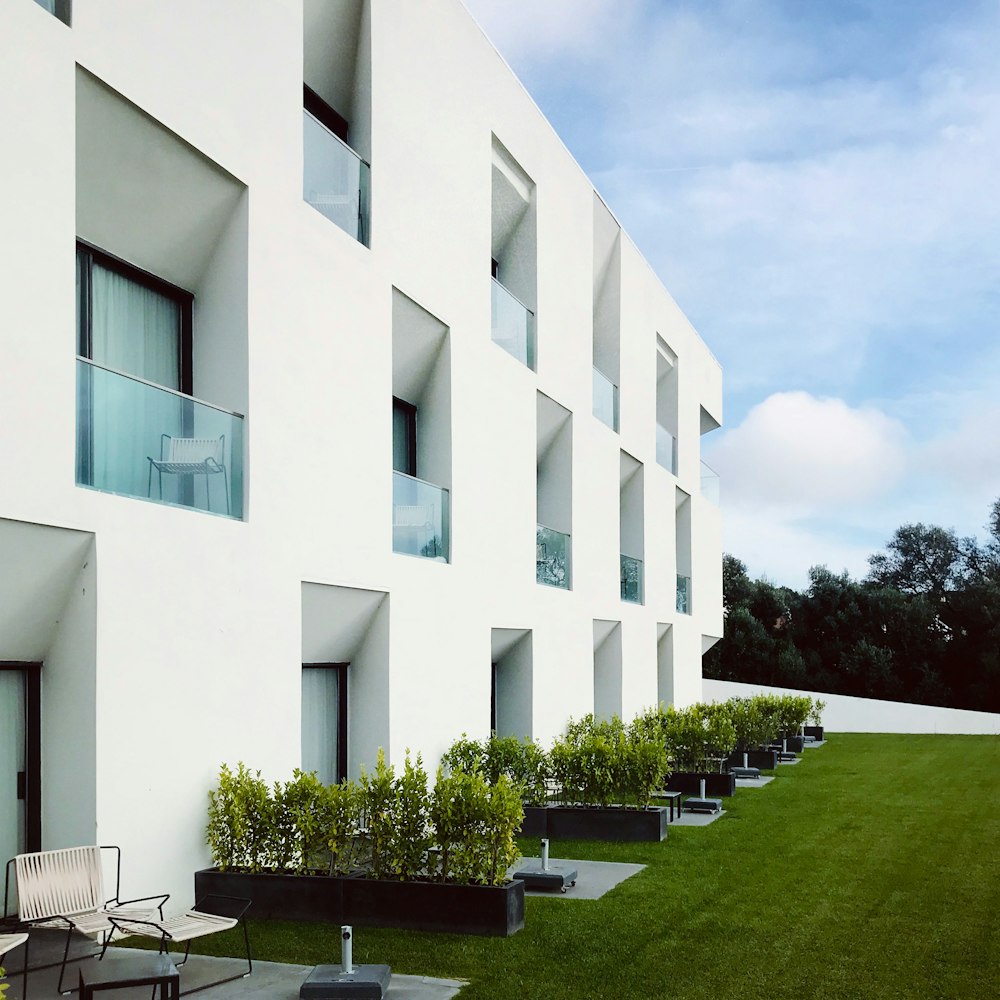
(11,761)
(134,330)
(320,722)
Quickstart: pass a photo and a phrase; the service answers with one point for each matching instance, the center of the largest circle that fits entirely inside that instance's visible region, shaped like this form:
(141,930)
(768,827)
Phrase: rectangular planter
(536,822)
(766,760)
(497,911)
(424,906)
(689,783)
(277,897)
(816,732)
(600,823)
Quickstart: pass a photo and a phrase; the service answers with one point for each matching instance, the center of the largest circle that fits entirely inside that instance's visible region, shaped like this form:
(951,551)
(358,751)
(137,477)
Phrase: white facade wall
(846,714)
(178,640)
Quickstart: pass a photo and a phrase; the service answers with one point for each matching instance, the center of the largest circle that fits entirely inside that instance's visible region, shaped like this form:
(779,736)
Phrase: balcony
(666,449)
(683,595)
(552,555)
(605,400)
(138,439)
(335,179)
(631,579)
(709,483)
(513,325)
(420,518)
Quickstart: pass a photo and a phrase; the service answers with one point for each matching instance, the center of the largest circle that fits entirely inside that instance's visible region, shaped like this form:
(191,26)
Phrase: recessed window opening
(62,9)
(607,292)
(666,406)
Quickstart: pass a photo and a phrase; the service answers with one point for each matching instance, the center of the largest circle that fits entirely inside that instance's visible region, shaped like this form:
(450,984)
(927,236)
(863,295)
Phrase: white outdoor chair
(7,943)
(181,456)
(65,888)
(209,915)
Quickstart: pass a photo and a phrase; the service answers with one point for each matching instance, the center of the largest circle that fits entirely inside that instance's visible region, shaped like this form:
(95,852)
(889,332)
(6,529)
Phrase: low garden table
(671,798)
(144,968)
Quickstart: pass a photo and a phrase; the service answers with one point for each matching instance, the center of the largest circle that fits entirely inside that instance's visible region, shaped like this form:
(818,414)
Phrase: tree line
(923,626)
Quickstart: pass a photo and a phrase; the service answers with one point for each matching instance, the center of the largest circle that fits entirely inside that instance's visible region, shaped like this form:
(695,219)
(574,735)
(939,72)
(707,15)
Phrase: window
(20,757)
(324,720)
(131,321)
(404,437)
(59,8)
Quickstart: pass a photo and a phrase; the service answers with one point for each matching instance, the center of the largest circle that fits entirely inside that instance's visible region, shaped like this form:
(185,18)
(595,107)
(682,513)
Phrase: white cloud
(803,457)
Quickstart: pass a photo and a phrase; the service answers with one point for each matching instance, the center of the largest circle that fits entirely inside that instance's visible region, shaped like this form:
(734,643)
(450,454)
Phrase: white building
(482,493)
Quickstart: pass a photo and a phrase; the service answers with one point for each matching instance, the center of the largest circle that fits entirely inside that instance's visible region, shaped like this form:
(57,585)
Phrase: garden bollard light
(346,949)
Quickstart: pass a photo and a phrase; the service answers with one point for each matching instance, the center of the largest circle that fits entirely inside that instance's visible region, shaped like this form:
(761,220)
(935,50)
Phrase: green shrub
(600,763)
(474,824)
(344,840)
(523,762)
(816,712)
(4,986)
(465,755)
(240,829)
(302,812)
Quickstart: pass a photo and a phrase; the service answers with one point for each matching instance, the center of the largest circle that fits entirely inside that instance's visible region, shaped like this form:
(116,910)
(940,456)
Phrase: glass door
(12,764)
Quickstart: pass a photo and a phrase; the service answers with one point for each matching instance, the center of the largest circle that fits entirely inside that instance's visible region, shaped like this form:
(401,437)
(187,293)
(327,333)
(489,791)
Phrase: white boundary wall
(845,714)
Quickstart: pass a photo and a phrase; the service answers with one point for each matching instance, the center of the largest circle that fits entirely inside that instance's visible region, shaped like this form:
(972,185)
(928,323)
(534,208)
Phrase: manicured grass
(869,870)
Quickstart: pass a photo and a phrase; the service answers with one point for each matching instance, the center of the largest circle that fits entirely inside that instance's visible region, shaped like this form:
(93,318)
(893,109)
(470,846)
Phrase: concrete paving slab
(593,879)
(760,782)
(698,819)
(270,980)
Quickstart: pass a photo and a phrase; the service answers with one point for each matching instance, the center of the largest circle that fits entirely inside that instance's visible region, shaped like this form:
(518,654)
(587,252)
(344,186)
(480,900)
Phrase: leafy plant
(378,795)
(302,817)
(344,838)
(474,824)
(816,712)
(240,821)
(465,755)
(4,986)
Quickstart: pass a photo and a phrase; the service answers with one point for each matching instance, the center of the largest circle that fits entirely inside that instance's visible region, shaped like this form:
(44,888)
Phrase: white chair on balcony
(191,457)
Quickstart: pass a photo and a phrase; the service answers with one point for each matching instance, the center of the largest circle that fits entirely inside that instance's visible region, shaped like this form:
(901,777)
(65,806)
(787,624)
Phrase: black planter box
(536,821)
(794,744)
(689,782)
(277,897)
(595,823)
(425,906)
(816,732)
(766,760)
(497,911)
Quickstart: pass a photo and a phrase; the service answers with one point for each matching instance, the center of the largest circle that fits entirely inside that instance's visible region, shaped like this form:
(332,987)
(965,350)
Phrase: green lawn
(869,870)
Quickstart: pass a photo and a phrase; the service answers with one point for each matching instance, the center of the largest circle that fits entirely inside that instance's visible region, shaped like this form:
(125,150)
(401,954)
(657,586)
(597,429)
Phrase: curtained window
(324,720)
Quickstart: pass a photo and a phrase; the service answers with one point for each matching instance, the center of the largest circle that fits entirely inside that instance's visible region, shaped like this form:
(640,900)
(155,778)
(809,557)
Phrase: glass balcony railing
(666,449)
(513,325)
(552,554)
(683,595)
(631,579)
(709,483)
(420,518)
(335,179)
(138,439)
(605,400)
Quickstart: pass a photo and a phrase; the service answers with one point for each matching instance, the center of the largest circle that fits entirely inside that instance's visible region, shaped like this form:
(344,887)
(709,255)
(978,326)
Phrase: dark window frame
(32,784)
(323,113)
(411,434)
(89,255)
(342,696)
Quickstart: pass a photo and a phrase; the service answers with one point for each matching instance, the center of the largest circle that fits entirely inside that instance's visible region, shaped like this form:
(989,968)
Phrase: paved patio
(270,980)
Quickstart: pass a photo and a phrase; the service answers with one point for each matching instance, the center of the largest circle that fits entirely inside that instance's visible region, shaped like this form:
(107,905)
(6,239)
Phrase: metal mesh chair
(65,888)
(209,915)
(190,457)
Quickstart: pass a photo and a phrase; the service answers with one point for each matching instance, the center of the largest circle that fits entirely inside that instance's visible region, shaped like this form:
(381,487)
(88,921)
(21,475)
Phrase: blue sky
(818,186)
